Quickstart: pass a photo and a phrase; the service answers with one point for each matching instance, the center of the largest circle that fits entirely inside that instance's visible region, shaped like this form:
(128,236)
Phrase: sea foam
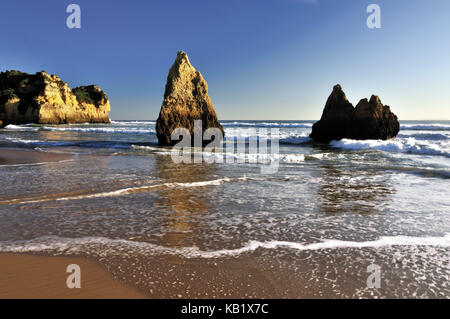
(123,128)
(123,191)
(408,145)
(76,245)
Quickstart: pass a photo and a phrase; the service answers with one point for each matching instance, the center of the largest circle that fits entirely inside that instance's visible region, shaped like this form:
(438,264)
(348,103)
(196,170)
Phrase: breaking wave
(102,246)
(409,145)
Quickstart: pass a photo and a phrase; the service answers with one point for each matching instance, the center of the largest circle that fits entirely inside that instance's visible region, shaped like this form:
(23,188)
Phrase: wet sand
(9,156)
(29,276)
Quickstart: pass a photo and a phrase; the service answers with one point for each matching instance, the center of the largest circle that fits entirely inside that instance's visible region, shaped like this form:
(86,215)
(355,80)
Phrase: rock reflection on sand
(186,205)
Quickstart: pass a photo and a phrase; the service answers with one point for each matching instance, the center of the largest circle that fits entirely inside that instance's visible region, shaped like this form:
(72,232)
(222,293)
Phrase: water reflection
(184,206)
(346,190)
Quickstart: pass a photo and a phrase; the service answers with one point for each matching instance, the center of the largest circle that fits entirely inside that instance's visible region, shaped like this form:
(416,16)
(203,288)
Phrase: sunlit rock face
(45,99)
(186,99)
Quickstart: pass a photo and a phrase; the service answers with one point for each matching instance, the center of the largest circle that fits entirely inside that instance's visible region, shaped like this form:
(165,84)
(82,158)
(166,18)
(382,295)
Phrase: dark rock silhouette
(368,120)
(185,100)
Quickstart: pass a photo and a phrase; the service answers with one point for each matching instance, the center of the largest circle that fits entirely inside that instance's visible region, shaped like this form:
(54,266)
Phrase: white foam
(409,145)
(36,142)
(257,158)
(237,157)
(268,124)
(123,191)
(76,245)
(13,127)
(124,130)
(425,127)
(82,128)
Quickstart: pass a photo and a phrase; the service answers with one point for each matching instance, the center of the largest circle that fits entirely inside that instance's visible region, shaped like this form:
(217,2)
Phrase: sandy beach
(28,276)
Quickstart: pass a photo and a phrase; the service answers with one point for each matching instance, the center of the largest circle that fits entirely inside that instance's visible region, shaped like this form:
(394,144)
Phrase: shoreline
(26,276)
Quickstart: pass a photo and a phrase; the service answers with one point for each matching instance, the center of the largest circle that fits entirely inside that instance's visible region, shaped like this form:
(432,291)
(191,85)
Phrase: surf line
(69,245)
(125,191)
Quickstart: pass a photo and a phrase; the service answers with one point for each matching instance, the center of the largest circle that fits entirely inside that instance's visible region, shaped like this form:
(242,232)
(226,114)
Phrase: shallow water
(309,229)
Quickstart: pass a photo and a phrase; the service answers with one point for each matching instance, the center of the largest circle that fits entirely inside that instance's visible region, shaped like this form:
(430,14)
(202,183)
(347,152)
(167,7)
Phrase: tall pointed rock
(185,100)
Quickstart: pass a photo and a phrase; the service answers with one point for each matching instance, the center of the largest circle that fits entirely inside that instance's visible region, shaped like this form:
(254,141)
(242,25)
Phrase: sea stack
(370,119)
(45,99)
(185,100)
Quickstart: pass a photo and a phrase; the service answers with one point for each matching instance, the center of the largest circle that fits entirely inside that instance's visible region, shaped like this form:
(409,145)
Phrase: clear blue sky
(274,59)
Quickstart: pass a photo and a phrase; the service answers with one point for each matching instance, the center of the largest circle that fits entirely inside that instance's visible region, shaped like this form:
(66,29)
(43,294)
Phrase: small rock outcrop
(370,119)
(45,99)
(185,100)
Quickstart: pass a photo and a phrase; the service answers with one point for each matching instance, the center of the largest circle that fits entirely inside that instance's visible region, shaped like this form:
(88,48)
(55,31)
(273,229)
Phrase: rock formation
(45,99)
(185,100)
(368,120)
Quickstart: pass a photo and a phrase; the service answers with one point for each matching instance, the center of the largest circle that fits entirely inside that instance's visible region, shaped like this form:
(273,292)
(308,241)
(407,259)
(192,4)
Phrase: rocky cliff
(185,100)
(45,99)
(370,119)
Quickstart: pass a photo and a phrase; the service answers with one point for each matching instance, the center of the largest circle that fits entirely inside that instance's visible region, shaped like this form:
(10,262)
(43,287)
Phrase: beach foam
(123,191)
(76,245)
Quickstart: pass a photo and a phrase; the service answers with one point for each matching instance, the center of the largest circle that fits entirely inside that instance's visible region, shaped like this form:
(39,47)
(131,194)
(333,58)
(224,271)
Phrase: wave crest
(409,145)
(77,245)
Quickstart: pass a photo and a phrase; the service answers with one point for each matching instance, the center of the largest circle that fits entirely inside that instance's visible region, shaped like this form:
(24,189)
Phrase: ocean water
(310,229)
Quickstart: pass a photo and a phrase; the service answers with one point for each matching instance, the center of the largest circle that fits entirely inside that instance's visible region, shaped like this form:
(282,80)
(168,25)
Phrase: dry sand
(30,276)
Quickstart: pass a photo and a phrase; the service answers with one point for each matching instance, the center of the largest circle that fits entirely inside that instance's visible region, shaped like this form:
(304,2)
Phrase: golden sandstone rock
(45,99)
(185,100)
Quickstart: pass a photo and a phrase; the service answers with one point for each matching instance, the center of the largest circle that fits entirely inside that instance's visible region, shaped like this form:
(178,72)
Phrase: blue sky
(273,59)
